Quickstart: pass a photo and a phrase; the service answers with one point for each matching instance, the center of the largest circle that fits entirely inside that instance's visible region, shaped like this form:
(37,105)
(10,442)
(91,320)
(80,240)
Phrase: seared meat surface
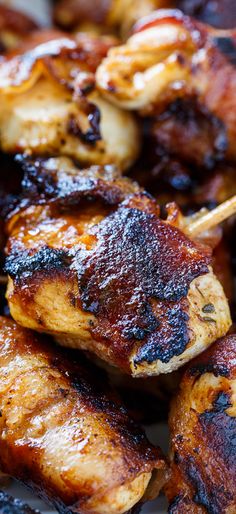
(203,432)
(178,71)
(50,105)
(78,270)
(64,434)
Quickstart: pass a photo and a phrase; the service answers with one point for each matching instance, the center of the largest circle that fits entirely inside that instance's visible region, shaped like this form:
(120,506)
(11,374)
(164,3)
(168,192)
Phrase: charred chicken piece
(173,58)
(63,435)
(91,261)
(203,433)
(14,26)
(9,505)
(50,104)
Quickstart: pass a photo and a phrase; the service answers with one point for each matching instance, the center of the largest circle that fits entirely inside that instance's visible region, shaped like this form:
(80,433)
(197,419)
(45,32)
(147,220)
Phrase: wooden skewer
(213,218)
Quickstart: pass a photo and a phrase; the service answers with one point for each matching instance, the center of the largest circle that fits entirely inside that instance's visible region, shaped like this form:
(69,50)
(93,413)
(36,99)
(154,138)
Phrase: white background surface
(40,9)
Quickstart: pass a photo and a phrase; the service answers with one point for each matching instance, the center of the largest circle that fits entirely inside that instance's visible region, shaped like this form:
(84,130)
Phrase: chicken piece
(9,505)
(170,58)
(188,132)
(91,262)
(14,26)
(203,434)
(223,268)
(49,103)
(63,435)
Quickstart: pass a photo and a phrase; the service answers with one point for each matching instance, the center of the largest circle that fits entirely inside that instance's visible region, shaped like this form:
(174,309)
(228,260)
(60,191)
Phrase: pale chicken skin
(63,433)
(203,433)
(50,105)
(77,270)
(173,58)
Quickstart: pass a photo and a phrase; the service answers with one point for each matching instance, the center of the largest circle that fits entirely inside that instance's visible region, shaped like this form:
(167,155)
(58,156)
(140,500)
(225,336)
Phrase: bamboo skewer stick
(212,218)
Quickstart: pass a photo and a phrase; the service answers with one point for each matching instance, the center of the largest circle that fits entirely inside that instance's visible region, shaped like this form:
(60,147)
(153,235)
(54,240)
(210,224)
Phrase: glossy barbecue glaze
(101,270)
(50,104)
(203,432)
(174,63)
(64,434)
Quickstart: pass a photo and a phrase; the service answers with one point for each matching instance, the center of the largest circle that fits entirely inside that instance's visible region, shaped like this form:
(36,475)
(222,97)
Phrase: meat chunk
(50,104)
(203,434)
(91,261)
(171,66)
(65,435)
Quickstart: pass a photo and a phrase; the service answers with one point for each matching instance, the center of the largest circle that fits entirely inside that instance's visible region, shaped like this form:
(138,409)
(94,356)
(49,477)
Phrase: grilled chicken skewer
(50,104)
(203,432)
(170,58)
(64,434)
(9,505)
(213,218)
(78,270)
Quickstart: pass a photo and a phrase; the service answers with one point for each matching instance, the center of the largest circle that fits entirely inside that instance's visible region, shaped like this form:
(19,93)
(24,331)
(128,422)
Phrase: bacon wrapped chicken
(50,105)
(65,435)
(91,261)
(203,434)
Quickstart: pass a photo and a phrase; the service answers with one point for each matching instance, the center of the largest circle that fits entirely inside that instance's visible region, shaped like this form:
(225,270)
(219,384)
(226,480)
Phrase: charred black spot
(176,323)
(220,430)
(132,264)
(219,434)
(208,308)
(23,265)
(9,505)
(179,503)
(93,134)
(68,188)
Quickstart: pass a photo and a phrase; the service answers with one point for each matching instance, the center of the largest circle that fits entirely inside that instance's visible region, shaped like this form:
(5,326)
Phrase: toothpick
(212,218)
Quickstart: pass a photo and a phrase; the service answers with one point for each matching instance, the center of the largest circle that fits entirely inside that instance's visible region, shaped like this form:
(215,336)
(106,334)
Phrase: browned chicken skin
(179,71)
(78,270)
(50,104)
(62,436)
(203,434)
